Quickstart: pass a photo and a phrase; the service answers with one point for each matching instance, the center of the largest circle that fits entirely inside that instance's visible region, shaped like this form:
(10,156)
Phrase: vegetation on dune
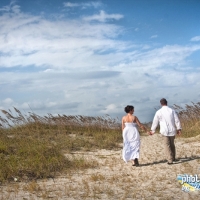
(190,119)
(33,147)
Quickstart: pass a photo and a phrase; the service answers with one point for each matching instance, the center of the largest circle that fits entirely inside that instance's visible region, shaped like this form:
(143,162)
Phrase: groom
(169,126)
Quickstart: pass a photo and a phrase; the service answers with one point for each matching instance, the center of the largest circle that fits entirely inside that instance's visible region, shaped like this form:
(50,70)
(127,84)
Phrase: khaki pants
(170,149)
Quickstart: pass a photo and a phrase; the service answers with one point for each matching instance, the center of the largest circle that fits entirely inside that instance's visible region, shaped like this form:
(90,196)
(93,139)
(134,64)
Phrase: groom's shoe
(170,163)
(176,161)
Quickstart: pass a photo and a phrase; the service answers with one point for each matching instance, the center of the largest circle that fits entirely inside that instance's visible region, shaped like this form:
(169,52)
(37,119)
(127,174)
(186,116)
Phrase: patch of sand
(114,179)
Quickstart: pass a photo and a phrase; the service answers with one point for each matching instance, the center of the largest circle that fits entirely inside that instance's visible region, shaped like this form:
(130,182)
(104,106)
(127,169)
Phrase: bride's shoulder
(123,118)
(134,118)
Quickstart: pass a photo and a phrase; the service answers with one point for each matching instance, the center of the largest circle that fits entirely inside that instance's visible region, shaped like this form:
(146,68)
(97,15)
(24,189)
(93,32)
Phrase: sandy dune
(114,179)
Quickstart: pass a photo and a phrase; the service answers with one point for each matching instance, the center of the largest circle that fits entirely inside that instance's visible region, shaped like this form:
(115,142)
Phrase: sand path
(114,179)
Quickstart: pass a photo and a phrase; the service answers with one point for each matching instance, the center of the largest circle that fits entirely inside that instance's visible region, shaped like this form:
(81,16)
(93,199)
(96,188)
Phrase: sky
(93,58)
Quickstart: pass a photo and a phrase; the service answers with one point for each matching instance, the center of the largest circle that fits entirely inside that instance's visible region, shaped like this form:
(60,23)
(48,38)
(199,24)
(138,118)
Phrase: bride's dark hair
(128,108)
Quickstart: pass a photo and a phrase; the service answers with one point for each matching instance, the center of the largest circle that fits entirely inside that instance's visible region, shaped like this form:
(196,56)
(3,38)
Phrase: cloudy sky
(95,57)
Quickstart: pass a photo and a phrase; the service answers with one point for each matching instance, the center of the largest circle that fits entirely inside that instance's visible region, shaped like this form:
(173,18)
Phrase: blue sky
(96,57)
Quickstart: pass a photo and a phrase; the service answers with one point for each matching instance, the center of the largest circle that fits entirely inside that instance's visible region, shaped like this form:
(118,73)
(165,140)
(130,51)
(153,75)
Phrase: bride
(131,137)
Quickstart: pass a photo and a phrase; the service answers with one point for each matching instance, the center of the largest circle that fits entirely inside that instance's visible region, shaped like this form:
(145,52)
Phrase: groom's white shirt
(168,120)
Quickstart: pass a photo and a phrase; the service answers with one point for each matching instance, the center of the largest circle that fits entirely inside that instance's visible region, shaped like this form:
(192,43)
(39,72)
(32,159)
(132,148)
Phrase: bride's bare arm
(140,125)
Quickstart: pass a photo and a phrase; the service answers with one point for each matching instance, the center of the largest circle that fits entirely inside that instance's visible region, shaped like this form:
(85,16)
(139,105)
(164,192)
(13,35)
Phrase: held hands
(179,132)
(150,132)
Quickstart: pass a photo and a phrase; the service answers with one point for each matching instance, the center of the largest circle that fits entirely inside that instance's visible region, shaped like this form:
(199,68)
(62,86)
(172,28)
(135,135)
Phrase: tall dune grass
(33,147)
(190,119)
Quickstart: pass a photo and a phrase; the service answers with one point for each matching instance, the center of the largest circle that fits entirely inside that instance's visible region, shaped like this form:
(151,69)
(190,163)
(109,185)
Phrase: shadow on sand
(180,160)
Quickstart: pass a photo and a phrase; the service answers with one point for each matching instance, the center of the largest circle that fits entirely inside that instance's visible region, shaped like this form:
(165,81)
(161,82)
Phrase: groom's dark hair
(163,101)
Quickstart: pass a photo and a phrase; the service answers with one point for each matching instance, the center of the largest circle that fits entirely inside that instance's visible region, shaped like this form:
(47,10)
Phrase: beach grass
(190,119)
(34,147)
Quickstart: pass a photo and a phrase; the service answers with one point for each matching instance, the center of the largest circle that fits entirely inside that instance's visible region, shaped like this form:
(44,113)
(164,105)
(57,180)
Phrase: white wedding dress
(131,142)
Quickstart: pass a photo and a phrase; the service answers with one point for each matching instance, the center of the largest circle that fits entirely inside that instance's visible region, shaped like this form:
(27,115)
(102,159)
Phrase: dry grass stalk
(190,119)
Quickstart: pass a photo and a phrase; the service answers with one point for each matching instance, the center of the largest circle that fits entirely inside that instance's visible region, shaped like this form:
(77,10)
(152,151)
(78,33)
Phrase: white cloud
(51,104)
(163,57)
(94,4)
(83,5)
(5,8)
(28,40)
(111,108)
(81,67)
(103,17)
(8,101)
(10,7)
(16,9)
(154,36)
(146,47)
(195,39)
(69,4)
